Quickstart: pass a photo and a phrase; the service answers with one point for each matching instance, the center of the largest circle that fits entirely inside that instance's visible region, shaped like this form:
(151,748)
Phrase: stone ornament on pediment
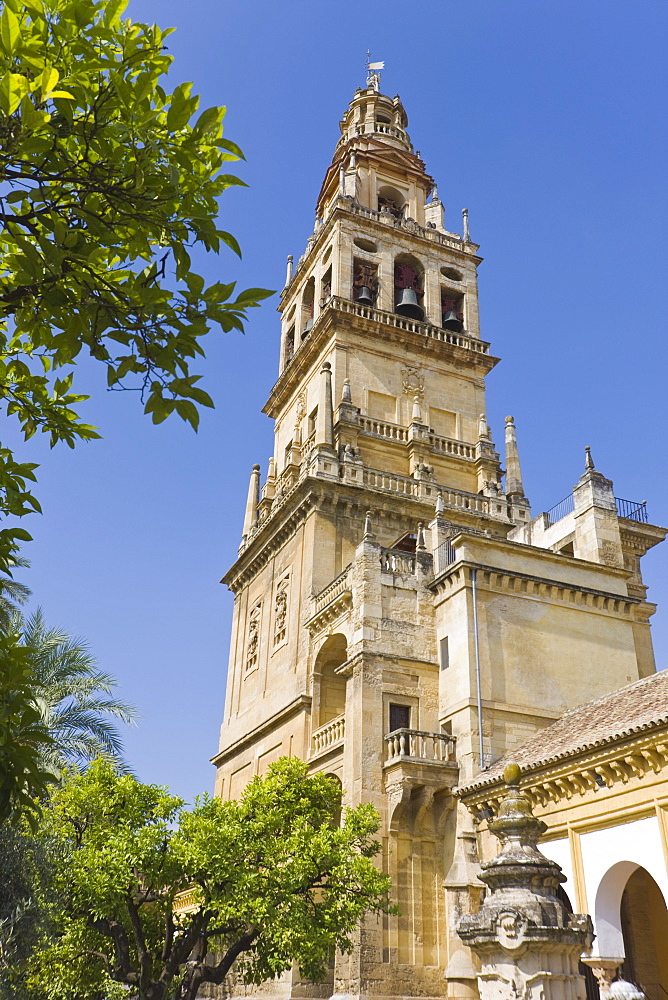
(413,380)
(511,929)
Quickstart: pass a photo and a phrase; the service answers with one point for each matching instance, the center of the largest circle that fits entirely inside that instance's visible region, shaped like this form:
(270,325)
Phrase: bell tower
(400,620)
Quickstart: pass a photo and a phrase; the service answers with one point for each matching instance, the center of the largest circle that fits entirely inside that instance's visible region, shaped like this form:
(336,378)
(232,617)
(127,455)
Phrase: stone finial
(346,395)
(465,225)
(417,411)
(271,471)
(251,516)
(368,530)
(514,485)
(589,461)
(483,427)
(288,272)
(434,193)
(439,504)
(420,544)
(342,179)
(528,944)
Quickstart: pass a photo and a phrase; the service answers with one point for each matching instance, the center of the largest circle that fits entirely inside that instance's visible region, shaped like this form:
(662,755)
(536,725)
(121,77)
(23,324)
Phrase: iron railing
(632,510)
(560,510)
(444,556)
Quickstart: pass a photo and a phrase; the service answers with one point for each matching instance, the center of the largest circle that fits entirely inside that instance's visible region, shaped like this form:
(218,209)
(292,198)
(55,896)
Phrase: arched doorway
(644,925)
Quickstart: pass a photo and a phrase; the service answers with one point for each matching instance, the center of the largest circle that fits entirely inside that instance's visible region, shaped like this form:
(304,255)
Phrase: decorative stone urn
(528,944)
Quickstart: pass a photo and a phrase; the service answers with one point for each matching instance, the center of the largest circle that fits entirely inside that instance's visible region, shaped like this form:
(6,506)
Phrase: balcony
(329,736)
(418,763)
(414,744)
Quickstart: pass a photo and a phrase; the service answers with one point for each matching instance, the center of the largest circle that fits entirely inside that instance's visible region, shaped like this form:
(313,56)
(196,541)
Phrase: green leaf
(9,31)
(188,412)
(48,80)
(180,108)
(231,147)
(13,86)
(252,295)
(231,242)
(208,120)
(113,11)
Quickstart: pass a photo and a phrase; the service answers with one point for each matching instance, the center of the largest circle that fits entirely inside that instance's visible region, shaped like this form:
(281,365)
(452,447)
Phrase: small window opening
(312,419)
(400,717)
(444,653)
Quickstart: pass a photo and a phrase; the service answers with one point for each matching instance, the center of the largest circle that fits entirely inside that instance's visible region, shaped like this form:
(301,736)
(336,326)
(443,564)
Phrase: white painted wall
(609,857)
(560,851)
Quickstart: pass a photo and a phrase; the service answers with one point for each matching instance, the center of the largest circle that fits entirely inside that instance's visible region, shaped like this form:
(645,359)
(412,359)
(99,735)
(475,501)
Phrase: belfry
(400,619)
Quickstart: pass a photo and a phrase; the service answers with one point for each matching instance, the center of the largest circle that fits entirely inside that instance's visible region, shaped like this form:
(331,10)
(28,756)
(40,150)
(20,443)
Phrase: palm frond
(76,698)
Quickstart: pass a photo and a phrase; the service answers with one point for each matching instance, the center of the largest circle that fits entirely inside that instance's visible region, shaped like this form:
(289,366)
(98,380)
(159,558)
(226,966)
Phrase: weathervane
(373,72)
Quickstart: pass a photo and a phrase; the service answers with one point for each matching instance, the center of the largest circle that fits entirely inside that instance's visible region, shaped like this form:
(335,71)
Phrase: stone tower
(399,619)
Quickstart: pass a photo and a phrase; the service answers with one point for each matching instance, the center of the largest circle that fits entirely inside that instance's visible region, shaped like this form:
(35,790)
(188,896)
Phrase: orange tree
(274,879)
(106,182)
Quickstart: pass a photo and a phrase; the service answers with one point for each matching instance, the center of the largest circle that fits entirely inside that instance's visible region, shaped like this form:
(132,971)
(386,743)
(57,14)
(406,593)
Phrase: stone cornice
(593,766)
(536,586)
(338,607)
(301,703)
(386,327)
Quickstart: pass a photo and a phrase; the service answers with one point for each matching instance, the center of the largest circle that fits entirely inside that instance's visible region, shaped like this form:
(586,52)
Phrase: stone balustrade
(382,428)
(450,446)
(333,590)
(419,745)
(329,735)
(393,561)
(409,325)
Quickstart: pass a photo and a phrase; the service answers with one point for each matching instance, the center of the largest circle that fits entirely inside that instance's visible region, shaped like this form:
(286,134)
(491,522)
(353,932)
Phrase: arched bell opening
(408,287)
(365,282)
(644,925)
(452,310)
(392,201)
(330,687)
(307,308)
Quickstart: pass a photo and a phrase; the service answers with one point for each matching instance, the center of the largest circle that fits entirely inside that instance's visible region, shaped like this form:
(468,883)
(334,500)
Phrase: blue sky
(547,121)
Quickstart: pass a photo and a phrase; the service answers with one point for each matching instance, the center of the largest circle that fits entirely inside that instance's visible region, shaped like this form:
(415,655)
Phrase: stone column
(528,944)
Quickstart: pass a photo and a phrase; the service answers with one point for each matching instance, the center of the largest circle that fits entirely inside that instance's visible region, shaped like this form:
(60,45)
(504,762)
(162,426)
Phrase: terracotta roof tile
(638,706)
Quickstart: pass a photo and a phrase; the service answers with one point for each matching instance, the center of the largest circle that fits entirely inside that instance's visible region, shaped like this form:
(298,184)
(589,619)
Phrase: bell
(307,328)
(364,296)
(451,321)
(407,304)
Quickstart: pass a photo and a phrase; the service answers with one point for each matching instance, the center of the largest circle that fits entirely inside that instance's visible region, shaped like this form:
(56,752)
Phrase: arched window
(332,687)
